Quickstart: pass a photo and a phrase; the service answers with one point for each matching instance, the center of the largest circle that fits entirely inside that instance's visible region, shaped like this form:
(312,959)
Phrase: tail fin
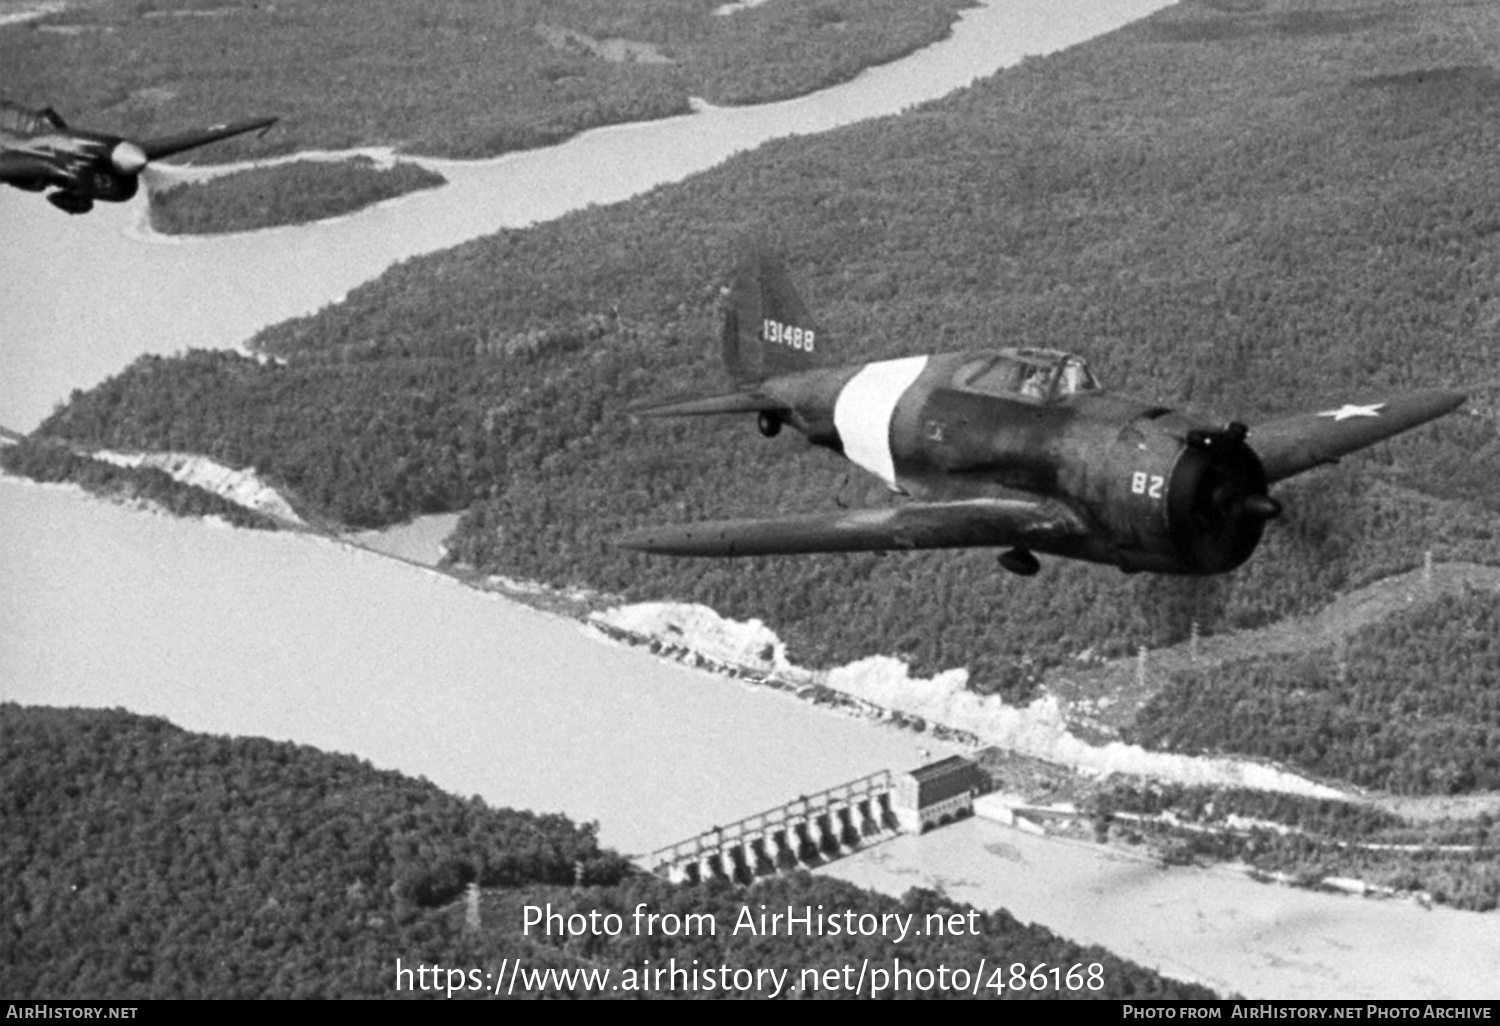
(767,330)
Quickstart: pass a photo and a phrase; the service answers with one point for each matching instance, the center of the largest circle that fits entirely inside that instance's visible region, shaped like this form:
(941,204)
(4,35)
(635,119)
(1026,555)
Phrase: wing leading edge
(922,525)
(1292,445)
(167,145)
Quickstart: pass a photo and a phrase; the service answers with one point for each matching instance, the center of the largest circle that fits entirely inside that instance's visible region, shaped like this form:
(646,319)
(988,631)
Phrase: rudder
(767,329)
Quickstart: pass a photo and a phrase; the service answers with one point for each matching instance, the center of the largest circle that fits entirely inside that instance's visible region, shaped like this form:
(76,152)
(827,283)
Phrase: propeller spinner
(128,158)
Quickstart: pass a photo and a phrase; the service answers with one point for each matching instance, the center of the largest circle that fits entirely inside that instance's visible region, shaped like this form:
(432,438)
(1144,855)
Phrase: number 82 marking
(1149,485)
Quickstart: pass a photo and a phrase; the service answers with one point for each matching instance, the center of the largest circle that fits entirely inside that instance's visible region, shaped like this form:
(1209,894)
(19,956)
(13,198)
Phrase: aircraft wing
(700,405)
(918,525)
(24,167)
(170,144)
(1289,446)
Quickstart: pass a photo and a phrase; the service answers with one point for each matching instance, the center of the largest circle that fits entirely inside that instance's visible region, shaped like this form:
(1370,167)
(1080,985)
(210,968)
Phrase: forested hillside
(458,78)
(1409,705)
(48,461)
(302,190)
(142,861)
(1226,205)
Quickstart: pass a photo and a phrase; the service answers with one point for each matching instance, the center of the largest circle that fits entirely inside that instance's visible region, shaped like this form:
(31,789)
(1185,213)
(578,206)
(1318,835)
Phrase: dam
(809,831)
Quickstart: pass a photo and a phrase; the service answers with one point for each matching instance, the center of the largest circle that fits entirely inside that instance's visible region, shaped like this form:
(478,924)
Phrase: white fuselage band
(862,413)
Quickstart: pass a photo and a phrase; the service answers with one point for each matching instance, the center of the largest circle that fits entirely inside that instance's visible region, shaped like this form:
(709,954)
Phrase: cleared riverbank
(1213,926)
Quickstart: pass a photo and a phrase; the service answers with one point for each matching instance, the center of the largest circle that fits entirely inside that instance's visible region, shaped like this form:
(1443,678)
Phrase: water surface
(292,637)
(83,296)
(1211,926)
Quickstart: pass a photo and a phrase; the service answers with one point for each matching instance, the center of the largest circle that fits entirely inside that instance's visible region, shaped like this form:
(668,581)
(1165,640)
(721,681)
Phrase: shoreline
(387,156)
(591,612)
(1056,898)
(587,612)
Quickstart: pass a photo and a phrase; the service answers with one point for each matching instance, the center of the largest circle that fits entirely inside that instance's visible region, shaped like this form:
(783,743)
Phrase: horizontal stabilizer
(708,405)
(1294,444)
(934,525)
(170,144)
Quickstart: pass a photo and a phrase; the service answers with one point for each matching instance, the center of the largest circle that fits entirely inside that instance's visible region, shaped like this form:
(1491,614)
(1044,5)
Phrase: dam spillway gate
(807,831)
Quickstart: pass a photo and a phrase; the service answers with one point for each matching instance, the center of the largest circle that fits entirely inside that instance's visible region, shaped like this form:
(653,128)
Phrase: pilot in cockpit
(1076,377)
(23,120)
(1036,381)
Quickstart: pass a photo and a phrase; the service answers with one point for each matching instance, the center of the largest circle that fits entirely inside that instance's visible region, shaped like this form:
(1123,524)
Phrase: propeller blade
(1262,507)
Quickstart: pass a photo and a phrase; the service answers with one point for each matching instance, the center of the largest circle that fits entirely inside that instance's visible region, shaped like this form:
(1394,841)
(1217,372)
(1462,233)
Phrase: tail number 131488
(788,335)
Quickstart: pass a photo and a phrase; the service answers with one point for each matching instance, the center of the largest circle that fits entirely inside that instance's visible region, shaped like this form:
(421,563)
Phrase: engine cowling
(104,183)
(1194,499)
(1217,506)
(100,181)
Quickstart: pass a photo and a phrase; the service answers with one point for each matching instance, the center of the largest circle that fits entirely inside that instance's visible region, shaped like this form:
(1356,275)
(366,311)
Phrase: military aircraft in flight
(39,151)
(1020,449)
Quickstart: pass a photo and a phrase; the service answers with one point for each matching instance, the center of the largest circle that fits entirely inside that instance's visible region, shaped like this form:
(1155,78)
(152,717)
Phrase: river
(292,637)
(298,638)
(83,296)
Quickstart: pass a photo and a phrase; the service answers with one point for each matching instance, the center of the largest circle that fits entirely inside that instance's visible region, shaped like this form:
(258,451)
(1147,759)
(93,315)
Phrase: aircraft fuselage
(81,165)
(1156,489)
(1018,449)
(39,151)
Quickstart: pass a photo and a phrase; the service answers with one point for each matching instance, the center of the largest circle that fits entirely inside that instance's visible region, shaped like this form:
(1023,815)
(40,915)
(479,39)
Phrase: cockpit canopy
(25,121)
(1043,375)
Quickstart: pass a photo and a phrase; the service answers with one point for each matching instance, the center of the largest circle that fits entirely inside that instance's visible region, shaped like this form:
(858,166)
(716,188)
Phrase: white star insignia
(1349,410)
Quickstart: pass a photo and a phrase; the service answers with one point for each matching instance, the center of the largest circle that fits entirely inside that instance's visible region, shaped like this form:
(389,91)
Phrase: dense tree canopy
(458,78)
(293,193)
(48,461)
(1408,705)
(142,861)
(1223,206)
